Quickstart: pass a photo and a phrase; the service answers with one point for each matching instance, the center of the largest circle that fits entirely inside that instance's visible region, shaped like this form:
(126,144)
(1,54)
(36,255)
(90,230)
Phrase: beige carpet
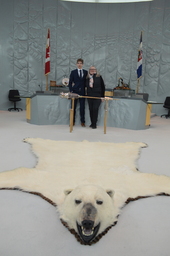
(88,170)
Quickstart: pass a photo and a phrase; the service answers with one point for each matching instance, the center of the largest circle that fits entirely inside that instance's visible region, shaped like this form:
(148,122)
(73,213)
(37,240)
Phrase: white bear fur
(89,169)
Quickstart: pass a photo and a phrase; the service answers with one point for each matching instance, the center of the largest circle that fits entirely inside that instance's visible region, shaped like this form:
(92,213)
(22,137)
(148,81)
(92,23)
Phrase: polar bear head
(89,211)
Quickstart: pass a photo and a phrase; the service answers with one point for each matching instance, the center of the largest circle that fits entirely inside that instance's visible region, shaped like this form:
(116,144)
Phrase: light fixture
(107,1)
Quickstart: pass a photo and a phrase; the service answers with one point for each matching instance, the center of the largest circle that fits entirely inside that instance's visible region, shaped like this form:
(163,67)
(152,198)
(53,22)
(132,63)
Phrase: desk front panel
(122,113)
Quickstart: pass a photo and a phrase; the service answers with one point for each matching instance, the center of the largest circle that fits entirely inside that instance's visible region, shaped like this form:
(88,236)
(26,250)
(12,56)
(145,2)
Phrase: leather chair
(14,96)
(167,105)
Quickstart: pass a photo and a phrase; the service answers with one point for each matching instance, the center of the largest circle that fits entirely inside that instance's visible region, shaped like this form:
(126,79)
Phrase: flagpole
(138,85)
(47,82)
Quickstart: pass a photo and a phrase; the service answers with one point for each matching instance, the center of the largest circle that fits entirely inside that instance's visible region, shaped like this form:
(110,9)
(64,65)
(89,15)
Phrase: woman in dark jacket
(95,88)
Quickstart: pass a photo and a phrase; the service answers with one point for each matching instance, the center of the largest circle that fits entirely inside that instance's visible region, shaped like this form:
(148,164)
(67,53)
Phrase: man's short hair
(80,60)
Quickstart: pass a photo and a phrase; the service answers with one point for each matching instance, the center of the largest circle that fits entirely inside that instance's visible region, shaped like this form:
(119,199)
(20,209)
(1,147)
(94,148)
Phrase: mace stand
(72,114)
(105,114)
(74,96)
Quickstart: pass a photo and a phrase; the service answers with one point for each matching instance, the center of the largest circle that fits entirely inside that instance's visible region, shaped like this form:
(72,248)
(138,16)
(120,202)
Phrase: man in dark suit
(77,85)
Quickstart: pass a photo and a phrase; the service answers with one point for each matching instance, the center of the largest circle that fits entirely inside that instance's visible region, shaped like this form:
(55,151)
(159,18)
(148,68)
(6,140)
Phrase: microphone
(40,87)
(41,91)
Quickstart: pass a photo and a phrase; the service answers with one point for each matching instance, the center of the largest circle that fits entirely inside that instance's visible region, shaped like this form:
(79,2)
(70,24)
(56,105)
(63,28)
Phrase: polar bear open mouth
(87,231)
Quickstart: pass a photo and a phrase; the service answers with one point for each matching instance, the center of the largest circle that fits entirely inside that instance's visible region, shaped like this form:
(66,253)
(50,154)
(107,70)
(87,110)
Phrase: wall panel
(104,35)
(6,52)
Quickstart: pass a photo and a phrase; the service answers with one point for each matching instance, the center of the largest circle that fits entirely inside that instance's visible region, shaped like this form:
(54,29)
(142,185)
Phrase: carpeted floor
(30,225)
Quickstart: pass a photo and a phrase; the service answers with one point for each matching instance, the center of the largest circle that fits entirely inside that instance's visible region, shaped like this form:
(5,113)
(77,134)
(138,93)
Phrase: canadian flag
(47,55)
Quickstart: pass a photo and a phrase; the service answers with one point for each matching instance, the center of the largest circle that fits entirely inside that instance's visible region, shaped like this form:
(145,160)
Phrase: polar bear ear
(110,192)
(68,191)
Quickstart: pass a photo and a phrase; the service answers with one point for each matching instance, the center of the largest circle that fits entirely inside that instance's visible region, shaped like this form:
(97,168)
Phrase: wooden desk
(55,87)
(149,109)
(148,114)
(49,108)
(108,93)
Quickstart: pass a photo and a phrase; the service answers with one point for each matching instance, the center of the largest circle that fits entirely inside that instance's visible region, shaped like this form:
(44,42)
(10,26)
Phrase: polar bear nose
(88,224)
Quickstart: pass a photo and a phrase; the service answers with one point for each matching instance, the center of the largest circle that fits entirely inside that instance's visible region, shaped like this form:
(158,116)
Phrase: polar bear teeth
(86,232)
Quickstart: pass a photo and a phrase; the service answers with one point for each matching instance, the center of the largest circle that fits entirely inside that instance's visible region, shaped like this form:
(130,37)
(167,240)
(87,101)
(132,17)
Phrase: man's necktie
(80,73)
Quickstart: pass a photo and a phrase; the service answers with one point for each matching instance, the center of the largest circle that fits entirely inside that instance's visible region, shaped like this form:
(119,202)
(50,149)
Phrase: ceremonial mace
(74,96)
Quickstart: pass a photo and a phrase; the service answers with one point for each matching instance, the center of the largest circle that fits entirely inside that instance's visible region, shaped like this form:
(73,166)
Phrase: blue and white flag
(139,64)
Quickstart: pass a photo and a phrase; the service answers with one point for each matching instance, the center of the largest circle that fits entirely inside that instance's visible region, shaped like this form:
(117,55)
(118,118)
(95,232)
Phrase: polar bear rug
(87,182)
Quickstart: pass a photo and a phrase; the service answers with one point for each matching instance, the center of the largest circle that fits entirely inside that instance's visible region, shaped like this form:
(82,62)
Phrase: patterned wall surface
(104,35)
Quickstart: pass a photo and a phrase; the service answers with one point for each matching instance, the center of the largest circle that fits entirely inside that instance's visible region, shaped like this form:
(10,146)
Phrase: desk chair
(14,96)
(167,105)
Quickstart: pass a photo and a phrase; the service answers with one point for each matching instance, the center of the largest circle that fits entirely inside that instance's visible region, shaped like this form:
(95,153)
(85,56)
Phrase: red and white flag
(47,55)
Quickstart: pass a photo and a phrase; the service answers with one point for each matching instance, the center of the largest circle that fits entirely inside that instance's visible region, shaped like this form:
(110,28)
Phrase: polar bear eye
(99,202)
(78,201)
